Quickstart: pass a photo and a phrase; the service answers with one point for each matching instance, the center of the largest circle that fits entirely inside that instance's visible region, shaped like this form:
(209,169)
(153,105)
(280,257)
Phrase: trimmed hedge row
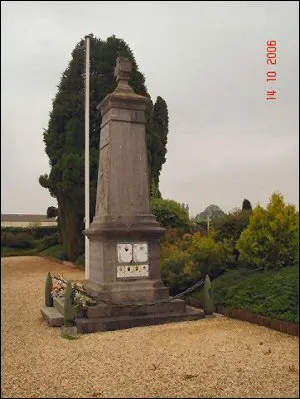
(272,294)
(28,238)
(36,232)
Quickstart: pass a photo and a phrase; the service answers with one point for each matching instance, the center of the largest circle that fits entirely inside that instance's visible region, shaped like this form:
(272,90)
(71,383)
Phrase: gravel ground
(215,357)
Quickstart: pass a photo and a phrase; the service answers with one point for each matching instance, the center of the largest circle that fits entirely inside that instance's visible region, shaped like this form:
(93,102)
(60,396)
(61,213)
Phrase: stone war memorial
(124,274)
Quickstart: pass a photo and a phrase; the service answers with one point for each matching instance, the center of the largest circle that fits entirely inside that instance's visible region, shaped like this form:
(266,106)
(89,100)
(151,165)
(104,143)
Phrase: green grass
(268,293)
(80,261)
(69,337)
(7,251)
(56,251)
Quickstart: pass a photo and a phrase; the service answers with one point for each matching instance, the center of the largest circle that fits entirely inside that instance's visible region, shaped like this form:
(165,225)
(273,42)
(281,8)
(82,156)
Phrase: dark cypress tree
(158,142)
(246,205)
(64,137)
(52,212)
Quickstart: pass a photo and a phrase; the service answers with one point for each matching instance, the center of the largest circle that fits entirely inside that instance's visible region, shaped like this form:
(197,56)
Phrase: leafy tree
(228,229)
(246,205)
(186,207)
(170,214)
(64,137)
(271,239)
(213,211)
(231,225)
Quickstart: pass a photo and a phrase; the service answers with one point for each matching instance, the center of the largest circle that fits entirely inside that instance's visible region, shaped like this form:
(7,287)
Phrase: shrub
(69,311)
(272,237)
(185,261)
(170,213)
(50,241)
(19,240)
(273,293)
(80,261)
(209,307)
(6,238)
(48,289)
(230,226)
(36,232)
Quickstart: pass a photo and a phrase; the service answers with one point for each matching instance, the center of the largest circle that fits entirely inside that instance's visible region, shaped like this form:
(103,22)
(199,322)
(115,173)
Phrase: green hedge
(268,293)
(17,240)
(49,241)
(36,232)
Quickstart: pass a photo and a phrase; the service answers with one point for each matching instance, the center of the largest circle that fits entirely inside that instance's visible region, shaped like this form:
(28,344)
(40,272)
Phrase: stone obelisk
(124,235)
(125,274)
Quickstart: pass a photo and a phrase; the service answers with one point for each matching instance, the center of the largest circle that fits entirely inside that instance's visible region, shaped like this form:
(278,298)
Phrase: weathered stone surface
(69,331)
(52,316)
(58,303)
(85,326)
(105,310)
(123,199)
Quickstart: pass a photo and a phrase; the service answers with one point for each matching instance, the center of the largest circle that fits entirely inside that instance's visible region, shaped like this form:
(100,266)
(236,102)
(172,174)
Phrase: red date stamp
(271,74)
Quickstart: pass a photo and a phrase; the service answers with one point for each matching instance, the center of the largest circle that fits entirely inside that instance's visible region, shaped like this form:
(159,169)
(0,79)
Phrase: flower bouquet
(80,298)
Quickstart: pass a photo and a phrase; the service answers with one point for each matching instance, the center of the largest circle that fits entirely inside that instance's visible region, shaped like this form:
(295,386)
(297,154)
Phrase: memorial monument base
(107,317)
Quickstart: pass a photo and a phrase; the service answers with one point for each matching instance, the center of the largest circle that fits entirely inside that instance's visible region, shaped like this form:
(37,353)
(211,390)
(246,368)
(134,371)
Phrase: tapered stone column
(124,235)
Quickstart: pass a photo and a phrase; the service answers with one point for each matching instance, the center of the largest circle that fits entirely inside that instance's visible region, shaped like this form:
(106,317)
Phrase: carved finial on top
(122,73)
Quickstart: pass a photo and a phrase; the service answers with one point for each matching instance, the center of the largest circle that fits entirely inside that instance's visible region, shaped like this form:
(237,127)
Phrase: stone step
(52,316)
(85,326)
(106,310)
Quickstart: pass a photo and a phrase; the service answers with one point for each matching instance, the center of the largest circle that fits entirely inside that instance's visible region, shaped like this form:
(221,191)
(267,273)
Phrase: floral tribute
(80,298)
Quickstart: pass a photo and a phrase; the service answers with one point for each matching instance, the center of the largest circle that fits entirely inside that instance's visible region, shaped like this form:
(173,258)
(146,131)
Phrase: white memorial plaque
(140,252)
(128,271)
(144,270)
(132,271)
(124,253)
(132,253)
(135,271)
(120,271)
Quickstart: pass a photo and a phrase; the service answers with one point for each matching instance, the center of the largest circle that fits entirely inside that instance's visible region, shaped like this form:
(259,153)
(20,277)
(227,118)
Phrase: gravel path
(215,357)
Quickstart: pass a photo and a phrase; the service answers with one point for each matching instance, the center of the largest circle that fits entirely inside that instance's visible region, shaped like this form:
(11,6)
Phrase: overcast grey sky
(206,59)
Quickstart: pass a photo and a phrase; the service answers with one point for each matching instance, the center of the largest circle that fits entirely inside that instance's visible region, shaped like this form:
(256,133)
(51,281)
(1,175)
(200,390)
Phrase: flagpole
(87,152)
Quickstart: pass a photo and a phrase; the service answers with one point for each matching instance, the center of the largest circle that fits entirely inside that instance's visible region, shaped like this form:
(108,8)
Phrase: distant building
(12,220)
